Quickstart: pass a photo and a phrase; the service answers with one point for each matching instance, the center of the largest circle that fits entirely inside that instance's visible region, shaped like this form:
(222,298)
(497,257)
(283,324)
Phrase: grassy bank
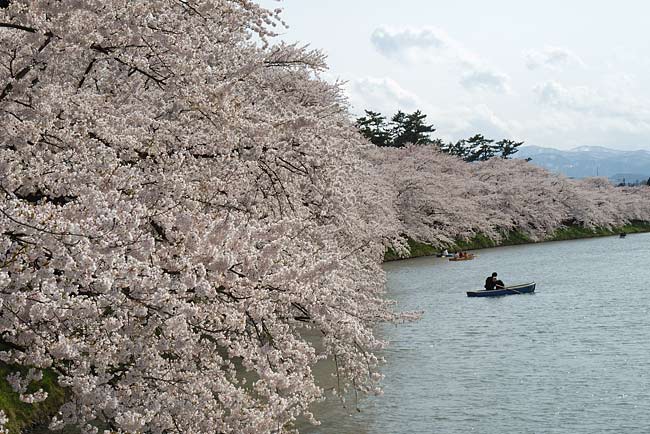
(572,233)
(21,415)
(514,238)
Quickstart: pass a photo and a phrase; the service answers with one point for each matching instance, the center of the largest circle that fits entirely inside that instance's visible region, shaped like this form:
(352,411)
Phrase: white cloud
(485,80)
(551,58)
(433,45)
(577,115)
(429,44)
(386,96)
(462,122)
(380,94)
(590,101)
(578,98)
(566,130)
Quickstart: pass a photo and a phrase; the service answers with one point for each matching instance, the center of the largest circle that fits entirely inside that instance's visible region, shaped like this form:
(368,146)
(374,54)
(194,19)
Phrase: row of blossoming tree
(441,198)
(185,206)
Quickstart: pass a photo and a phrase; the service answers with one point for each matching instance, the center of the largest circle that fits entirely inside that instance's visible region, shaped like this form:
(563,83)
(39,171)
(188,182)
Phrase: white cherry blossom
(180,200)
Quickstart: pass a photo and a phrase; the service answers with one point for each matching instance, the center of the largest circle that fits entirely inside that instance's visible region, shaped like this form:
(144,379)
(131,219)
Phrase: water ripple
(572,358)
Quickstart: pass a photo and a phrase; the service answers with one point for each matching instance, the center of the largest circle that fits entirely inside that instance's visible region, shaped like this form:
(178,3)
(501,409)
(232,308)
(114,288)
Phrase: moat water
(572,358)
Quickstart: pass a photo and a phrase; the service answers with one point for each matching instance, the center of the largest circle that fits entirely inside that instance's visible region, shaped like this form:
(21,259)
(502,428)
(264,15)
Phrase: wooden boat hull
(525,288)
(467,258)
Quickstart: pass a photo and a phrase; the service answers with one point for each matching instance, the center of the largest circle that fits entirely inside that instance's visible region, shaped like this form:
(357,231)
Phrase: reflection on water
(572,358)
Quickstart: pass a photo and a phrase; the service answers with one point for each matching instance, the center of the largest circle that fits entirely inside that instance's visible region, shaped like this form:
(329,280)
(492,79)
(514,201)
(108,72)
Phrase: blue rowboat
(524,288)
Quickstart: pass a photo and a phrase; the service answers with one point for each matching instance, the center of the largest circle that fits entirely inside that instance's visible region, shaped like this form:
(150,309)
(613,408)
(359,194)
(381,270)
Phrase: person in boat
(492,282)
(445,253)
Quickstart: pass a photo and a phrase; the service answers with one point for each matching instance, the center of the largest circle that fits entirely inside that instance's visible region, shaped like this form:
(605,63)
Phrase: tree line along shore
(417,249)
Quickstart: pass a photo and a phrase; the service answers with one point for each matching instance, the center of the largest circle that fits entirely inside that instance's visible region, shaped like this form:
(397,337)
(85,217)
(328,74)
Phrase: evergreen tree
(403,128)
(398,128)
(458,148)
(478,148)
(374,127)
(411,128)
(507,147)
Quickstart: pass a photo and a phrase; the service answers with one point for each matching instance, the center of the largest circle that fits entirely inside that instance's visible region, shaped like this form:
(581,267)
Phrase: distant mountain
(588,161)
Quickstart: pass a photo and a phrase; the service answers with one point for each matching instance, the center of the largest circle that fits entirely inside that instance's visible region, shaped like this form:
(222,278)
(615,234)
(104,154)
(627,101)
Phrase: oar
(506,289)
(513,290)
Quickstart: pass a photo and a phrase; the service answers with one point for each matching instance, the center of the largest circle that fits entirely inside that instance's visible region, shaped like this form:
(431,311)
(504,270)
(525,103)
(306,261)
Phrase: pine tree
(411,128)
(402,129)
(479,148)
(507,147)
(459,148)
(374,127)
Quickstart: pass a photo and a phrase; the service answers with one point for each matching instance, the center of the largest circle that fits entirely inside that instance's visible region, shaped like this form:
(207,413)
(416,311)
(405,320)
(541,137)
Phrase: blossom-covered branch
(181,202)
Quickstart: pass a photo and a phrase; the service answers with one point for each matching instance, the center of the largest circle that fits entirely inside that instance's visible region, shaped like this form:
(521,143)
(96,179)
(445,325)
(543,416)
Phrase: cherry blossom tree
(441,198)
(181,201)
(432,193)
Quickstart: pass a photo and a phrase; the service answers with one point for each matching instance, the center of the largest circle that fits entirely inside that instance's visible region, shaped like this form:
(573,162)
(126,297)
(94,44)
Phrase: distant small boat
(524,288)
(469,257)
(622,235)
(448,255)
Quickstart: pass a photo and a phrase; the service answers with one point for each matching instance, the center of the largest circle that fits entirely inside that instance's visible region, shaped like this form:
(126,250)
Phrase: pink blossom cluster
(3,422)
(441,198)
(181,202)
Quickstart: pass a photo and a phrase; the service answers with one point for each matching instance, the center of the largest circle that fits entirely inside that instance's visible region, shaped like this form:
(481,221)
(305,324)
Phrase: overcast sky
(553,73)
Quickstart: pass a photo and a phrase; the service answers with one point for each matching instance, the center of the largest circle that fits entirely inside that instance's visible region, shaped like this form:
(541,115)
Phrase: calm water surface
(572,358)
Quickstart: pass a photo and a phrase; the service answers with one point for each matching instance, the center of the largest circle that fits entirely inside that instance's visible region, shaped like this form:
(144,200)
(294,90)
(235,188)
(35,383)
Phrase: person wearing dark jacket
(493,283)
